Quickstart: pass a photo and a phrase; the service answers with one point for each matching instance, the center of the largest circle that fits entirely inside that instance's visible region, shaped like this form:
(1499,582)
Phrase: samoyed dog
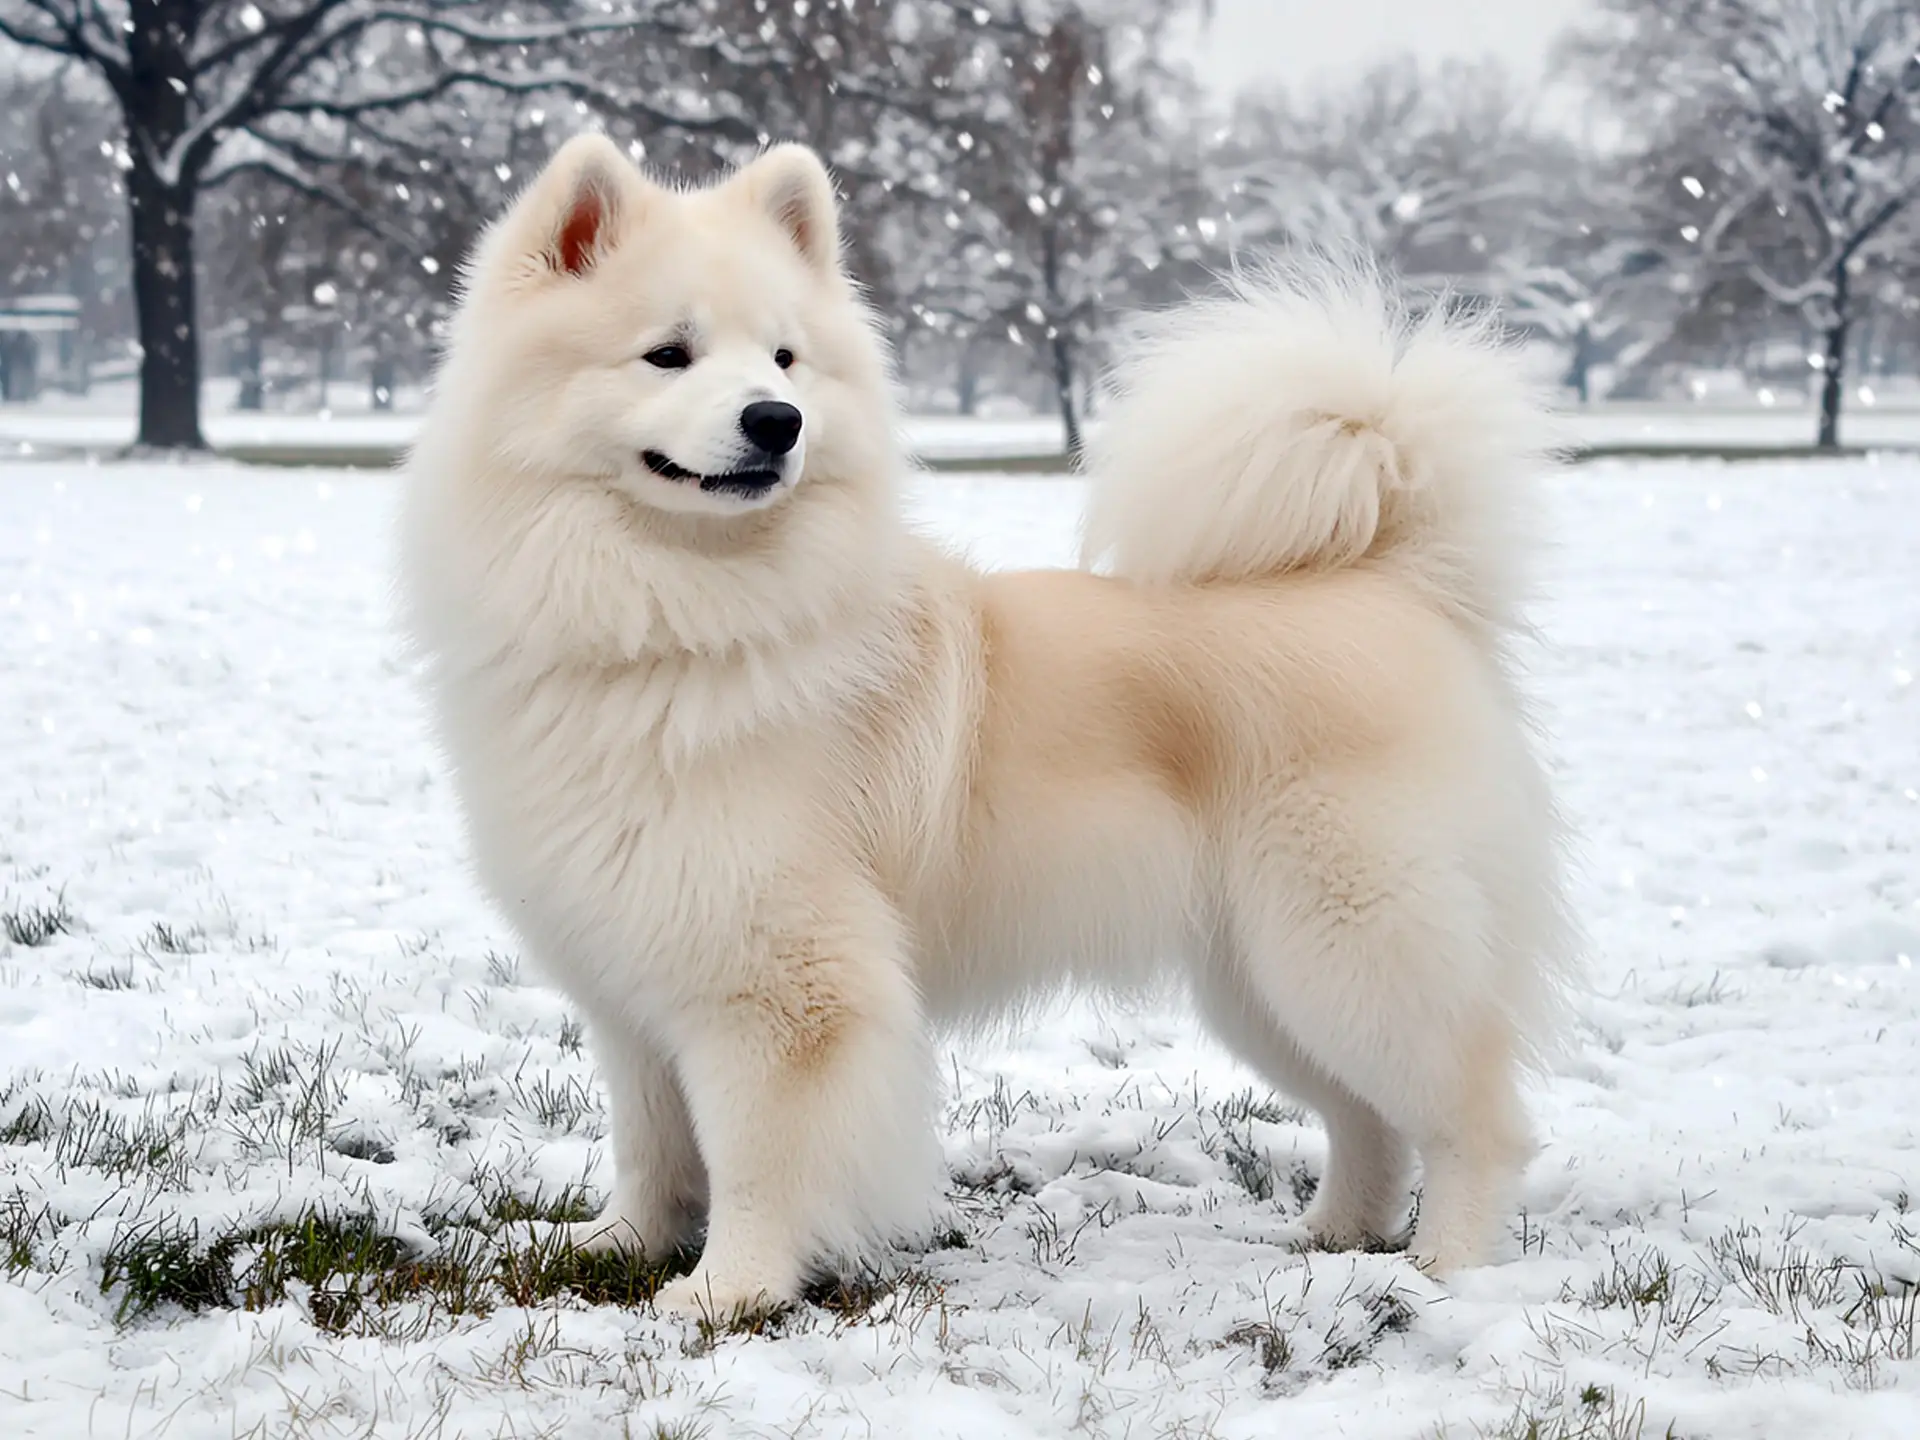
(775,788)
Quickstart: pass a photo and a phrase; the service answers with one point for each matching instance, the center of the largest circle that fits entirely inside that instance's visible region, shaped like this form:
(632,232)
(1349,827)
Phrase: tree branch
(269,162)
(573,83)
(72,40)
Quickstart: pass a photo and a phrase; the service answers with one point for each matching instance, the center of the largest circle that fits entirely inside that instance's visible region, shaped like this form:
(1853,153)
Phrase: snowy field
(104,420)
(272,1077)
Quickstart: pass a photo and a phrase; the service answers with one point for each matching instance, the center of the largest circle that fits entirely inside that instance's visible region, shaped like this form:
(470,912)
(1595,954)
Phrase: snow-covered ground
(104,420)
(268,989)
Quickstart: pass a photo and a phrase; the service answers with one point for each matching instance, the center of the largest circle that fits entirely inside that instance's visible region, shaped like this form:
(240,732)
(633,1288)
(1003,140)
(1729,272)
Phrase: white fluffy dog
(773,787)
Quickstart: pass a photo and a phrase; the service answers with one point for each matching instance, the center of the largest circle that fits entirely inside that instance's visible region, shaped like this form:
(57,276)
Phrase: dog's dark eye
(783,357)
(668,357)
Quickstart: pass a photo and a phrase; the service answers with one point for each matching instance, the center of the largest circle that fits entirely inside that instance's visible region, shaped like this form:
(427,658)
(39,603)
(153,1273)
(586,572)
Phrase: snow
(209,727)
(105,420)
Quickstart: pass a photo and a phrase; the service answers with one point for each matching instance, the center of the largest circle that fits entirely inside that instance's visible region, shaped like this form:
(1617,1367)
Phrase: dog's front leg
(809,1088)
(658,1186)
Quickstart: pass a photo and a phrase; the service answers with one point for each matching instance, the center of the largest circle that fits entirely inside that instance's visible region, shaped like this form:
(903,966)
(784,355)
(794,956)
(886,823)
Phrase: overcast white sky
(1299,41)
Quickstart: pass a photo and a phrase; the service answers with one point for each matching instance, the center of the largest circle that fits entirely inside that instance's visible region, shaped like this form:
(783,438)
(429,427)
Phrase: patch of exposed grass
(36,925)
(1880,1327)
(1266,1107)
(349,1271)
(106,977)
(1251,1169)
(1383,1313)
(548,1267)
(1845,1316)
(362,1147)
(502,1203)
(165,939)
(876,1294)
(1269,1344)
(1849,1316)
(1594,1414)
(1714,991)
(1633,1282)
(24,1227)
(562,1106)
(997,1179)
(502,969)
(155,1147)
(158,1262)
(25,1119)
(343,1263)
(997,1110)
(284,1100)
(1055,1245)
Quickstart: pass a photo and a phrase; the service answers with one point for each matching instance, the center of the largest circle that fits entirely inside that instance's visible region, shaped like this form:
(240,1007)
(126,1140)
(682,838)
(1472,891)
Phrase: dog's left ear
(791,184)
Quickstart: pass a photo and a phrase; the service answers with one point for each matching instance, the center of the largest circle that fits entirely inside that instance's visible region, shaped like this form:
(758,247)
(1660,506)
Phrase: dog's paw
(1333,1229)
(1346,1225)
(608,1233)
(718,1299)
(1443,1256)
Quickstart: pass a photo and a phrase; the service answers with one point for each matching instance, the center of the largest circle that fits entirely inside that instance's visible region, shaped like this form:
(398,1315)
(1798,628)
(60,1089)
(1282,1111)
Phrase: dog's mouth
(748,484)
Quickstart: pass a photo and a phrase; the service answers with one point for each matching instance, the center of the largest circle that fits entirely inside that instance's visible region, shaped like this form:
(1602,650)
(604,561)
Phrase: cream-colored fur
(773,788)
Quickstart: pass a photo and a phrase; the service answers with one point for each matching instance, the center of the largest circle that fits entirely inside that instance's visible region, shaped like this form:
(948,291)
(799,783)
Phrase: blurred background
(1698,208)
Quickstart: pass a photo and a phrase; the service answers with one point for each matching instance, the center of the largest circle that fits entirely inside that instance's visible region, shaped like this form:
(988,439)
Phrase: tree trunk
(253,372)
(326,367)
(23,370)
(1580,372)
(384,377)
(1833,372)
(966,385)
(84,286)
(1063,393)
(1062,347)
(163,302)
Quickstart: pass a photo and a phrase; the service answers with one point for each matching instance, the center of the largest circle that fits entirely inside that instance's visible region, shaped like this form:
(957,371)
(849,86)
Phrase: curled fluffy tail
(1306,421)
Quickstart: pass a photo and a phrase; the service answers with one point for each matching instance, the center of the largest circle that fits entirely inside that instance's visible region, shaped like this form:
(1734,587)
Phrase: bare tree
(60,200)
(1065,123)
(1785,137)
(1434,171)
(1580,271)
(210,88)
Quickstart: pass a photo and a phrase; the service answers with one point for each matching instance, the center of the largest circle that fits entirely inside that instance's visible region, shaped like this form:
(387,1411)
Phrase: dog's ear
(791,184)
(580,205)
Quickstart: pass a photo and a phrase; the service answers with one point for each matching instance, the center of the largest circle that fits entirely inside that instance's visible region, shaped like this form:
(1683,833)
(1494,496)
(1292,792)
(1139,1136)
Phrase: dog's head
(701,351)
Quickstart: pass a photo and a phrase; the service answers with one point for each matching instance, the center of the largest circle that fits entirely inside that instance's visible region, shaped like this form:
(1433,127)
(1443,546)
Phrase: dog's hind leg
(1388,982)
(658,1185)
(1362,1193)
(1472,1156)
(810,1089)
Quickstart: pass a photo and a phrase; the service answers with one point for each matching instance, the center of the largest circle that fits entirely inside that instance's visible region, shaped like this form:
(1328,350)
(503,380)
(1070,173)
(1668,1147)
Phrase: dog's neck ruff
(709,629)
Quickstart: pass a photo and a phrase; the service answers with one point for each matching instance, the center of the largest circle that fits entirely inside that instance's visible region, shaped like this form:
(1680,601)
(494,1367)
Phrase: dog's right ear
(580,206)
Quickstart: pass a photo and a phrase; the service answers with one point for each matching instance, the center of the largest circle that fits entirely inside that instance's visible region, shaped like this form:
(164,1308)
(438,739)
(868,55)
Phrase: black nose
(773,425)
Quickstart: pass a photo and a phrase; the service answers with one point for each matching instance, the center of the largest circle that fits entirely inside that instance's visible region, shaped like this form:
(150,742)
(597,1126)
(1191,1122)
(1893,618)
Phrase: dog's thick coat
(772,787)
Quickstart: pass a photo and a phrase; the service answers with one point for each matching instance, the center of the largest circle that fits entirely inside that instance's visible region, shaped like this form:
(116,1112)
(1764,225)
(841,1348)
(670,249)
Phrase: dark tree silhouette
(206,89)
(1787,133)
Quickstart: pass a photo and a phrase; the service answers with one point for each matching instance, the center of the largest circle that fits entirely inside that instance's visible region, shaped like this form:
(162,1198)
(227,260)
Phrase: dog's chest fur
(621,856)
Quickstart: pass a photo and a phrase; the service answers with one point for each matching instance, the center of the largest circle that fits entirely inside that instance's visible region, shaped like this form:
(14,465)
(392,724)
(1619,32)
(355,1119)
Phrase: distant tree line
(280,191)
